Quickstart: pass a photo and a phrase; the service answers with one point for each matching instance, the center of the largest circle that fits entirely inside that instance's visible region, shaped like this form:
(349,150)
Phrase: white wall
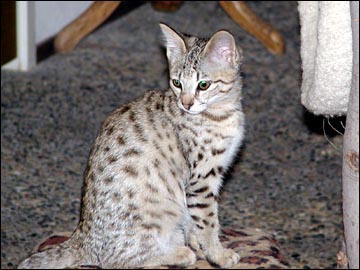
(52,16)
(36,21)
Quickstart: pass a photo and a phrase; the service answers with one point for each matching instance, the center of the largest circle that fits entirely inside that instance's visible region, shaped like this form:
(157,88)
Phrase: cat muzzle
(187,101)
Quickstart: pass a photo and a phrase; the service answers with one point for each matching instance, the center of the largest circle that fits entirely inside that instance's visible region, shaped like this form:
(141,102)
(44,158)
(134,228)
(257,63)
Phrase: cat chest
(217,144)
(214,143)
(214,153)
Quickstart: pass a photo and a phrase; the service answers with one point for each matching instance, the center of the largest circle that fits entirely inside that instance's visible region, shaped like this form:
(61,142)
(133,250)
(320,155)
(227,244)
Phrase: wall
(52,16)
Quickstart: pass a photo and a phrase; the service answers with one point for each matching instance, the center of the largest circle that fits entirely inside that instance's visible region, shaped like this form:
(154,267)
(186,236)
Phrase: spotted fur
(154,174)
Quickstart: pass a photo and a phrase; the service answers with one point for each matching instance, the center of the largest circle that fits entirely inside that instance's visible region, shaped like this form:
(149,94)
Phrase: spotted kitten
(153,176)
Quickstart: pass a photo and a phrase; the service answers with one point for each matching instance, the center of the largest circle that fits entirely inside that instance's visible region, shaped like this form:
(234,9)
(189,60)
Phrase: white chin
(199,110)
(192,112)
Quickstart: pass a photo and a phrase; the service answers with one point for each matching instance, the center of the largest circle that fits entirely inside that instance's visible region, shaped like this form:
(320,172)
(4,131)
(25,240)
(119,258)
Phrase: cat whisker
(333,145)
(328,120)
(341,123)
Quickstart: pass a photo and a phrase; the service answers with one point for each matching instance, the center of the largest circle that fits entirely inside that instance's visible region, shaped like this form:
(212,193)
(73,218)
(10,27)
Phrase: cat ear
(175,45)
(221,49)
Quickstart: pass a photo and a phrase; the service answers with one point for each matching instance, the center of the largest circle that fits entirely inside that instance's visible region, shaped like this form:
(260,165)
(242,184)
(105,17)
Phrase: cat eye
(203,85)
(176,83)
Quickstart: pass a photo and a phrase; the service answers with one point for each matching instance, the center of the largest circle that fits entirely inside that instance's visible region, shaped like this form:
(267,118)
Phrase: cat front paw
(184,257)
(225,258)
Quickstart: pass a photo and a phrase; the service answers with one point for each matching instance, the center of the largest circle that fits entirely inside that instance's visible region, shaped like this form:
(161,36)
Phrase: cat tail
(56,257)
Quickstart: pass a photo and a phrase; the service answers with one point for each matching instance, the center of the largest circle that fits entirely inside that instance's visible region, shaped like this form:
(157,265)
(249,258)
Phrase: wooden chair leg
(253,24)
(73,33)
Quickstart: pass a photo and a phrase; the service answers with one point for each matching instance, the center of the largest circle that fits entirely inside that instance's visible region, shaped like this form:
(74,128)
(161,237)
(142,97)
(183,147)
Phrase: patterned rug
(257,250)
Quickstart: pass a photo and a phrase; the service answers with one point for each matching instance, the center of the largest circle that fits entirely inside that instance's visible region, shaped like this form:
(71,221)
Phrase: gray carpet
(287,179)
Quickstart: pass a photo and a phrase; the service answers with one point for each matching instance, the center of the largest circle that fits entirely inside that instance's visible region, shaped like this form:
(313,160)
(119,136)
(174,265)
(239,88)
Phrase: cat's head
(202,71)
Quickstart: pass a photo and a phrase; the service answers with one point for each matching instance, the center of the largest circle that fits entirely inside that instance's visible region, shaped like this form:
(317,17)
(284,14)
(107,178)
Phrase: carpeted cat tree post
(330,86)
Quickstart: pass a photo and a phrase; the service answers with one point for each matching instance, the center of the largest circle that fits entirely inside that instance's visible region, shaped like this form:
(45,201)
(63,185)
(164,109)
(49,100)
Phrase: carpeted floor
(286,181)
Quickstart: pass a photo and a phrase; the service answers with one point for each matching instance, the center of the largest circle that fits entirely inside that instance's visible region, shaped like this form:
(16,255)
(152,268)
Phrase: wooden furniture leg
(253,24)
(96,14)
(99,11)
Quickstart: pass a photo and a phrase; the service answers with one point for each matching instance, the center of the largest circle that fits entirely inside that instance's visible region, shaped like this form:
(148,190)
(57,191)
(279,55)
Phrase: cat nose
(187,106)
(187,101)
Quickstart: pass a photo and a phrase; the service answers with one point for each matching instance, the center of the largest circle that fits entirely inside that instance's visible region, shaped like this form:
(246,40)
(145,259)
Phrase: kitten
(154,173)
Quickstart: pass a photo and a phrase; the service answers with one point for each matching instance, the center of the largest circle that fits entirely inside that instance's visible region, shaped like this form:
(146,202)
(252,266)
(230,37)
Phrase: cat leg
(203,209)
(194,245)
(167,247)
(173,251)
